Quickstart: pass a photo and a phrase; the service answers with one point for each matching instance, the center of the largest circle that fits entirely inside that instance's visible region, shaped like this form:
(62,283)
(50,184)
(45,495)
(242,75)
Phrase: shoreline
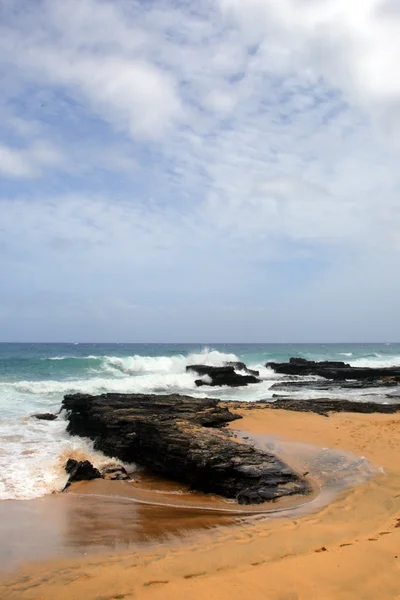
(358,531)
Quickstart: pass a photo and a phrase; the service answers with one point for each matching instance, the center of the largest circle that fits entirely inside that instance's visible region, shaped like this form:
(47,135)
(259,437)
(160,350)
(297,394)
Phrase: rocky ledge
(182,438)
(338,371)
(225,375)
(320,406)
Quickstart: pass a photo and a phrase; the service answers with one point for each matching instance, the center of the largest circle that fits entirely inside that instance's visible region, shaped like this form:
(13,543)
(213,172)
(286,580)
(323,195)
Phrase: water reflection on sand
(103,516)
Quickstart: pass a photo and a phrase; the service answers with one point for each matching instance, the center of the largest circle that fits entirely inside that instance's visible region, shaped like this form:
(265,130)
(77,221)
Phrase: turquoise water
(35,377)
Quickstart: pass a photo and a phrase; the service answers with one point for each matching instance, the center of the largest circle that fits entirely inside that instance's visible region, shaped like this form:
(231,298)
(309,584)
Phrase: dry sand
(347,550)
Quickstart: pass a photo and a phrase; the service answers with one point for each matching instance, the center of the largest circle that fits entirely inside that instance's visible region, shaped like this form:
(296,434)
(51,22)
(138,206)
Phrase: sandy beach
(347,549)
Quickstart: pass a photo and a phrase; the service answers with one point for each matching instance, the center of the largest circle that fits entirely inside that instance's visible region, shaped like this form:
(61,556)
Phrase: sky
(177,171)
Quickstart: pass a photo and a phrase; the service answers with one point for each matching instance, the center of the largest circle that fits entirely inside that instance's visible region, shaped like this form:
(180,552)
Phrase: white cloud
(231,137)
(354,45)
(80,45)
(28,162)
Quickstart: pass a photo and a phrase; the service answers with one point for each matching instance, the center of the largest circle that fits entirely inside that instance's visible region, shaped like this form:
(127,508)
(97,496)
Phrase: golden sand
(347,550)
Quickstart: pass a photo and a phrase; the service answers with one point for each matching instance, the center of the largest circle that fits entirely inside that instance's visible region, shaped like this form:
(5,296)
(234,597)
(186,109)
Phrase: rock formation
(221,375)
(181,438)
(240,366)
(45,417)
(338,371)
(80,470)
(323,406)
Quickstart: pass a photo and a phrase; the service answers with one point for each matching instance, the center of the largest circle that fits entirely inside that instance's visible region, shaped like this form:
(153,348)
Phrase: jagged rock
(219,376)
(329,384)
(114,472)
(180,438)
(240,366)
(81,470)
(338,371)
(323,406)
(45,417)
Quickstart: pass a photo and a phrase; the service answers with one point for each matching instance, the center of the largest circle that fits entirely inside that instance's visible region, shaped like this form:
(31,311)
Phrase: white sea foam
(134,365)
(377,360)
(33,454)
(90,357)
(154,382)
(345,353)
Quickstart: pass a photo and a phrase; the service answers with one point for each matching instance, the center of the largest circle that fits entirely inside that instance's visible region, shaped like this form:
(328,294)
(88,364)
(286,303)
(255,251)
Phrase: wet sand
(346,549)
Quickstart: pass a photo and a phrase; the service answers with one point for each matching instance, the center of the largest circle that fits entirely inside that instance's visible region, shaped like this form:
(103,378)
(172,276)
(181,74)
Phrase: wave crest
(136,365)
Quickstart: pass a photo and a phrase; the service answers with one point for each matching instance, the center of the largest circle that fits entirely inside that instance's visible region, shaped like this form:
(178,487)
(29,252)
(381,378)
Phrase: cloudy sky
(199,170)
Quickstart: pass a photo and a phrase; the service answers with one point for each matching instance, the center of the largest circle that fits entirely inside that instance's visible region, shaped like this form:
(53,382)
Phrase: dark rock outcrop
(329,384)
(179,437)
(114,472)
(338,371)
(219,376)
(80,470)
(323,406)
(45,417)
(240,366)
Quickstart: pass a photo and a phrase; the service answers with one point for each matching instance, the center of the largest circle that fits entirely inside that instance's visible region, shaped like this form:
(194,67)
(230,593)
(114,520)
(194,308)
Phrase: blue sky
(199,171)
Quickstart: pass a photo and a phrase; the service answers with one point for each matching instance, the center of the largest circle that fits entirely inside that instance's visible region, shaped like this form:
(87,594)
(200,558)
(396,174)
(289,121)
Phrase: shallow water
(101,516)
(35,377)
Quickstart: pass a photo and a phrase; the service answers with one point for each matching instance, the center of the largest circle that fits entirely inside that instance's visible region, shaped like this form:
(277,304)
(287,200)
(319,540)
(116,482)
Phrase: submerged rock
(219,376)
(45,417)
(338,371)
(181,438)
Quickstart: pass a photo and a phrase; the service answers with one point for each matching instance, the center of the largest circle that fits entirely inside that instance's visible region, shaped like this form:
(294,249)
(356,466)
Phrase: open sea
(35,377)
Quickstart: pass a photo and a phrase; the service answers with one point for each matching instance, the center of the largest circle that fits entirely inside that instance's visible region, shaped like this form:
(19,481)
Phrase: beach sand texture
(349,549)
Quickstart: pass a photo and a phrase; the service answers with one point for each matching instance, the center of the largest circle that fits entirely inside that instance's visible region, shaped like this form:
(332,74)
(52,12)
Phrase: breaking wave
(32,452)
(377,360)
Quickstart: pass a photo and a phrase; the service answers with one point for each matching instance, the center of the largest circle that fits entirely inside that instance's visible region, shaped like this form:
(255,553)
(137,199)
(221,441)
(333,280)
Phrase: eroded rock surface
(330,384)
(218,376)
(45,416)
(321,406)
(325,406)
(114,473)
(80,470)
(181,438)
(338,371)
(240,366)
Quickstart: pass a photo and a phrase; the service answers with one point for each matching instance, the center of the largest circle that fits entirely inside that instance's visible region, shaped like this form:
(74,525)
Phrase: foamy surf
(33,454)
(34,378)
(376,361)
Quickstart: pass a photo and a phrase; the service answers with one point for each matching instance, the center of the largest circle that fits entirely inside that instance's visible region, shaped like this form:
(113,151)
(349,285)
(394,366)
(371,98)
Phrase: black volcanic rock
(221,376)
(331,384)
(45,417)
(240,366)
(324,406)
(81,470)
(180,438)
(114,472)
(338,371)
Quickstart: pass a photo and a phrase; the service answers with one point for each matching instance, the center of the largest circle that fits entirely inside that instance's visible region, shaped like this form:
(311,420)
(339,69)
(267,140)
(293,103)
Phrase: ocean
(35,377)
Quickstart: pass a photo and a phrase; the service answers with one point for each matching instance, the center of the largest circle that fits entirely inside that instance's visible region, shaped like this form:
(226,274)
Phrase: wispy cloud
(211,154)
